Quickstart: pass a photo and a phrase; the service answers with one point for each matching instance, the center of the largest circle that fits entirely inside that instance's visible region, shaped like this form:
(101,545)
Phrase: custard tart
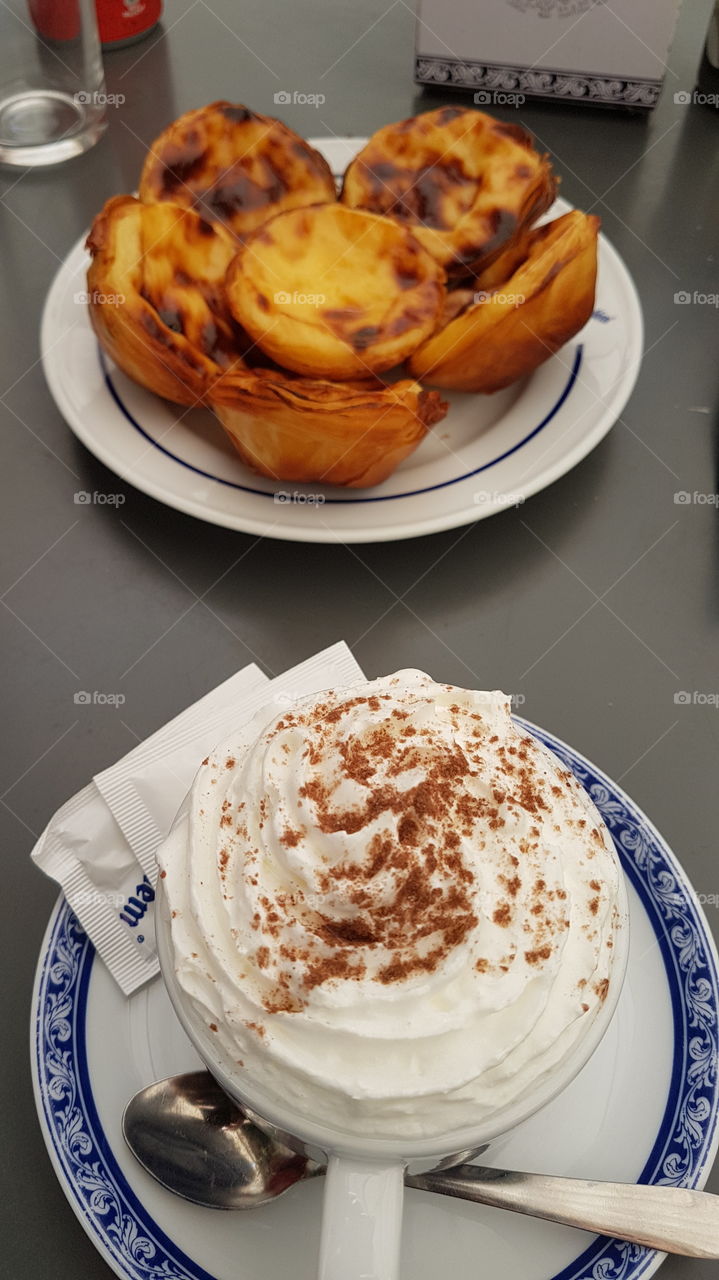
(463,182)
(234,166)
(333,292)
(157,300)
(530,302)
(308,429)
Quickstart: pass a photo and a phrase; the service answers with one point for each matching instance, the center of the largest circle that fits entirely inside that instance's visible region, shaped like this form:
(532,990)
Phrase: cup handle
(361,1220)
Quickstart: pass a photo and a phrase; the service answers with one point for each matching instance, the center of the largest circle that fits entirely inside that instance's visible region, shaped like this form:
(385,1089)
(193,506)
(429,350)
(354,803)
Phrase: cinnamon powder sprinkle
(332,966)
(409,890)
(502,915)
(257,1028)
(424,845)
(282,1002)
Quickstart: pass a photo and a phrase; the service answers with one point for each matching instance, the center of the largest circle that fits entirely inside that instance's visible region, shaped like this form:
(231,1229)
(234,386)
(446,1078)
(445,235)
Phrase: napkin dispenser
(578,51)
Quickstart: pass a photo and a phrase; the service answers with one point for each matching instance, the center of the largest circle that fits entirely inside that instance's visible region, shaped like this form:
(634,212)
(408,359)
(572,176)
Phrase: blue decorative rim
(388,497)
(119,1224)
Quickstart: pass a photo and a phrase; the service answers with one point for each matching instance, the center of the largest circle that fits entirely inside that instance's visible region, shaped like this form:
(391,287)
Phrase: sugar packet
(85,848)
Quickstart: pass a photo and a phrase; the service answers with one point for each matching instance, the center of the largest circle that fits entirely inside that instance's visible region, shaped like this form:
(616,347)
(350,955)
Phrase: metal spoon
(193,1139)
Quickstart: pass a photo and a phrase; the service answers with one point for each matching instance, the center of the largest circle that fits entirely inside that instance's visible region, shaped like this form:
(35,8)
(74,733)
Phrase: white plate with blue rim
(644,1109)
(490,452)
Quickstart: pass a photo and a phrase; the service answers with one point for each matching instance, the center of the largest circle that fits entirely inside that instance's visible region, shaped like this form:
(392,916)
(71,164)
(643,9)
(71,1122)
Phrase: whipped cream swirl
(392,905)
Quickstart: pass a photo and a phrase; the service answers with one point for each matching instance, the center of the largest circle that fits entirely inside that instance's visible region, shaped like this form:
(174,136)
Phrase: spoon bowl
(191,1137)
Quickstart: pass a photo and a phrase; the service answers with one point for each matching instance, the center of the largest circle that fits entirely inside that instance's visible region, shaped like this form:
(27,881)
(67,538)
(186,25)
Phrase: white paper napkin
(101,845)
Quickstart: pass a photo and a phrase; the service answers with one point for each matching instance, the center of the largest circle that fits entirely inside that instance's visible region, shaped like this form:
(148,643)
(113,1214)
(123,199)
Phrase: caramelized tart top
(234,166)
(335,292)
(464,182)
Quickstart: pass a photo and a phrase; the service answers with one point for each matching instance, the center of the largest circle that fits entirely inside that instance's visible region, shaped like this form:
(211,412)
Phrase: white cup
(362,1216)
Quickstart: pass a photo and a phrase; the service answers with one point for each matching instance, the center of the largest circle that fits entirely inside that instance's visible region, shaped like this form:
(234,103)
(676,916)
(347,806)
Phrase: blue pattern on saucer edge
(124,1230)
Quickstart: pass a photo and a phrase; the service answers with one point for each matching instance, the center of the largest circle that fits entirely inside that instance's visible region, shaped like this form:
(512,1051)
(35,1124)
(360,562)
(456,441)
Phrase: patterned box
(604,52)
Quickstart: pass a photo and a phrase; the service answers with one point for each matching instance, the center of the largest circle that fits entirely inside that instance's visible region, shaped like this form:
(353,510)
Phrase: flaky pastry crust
(310,430)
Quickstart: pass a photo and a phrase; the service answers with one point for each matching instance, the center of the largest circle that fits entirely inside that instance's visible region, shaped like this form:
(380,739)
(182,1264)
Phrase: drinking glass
(52,89)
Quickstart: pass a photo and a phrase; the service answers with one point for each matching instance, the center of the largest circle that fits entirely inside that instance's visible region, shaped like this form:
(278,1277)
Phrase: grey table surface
(596,600)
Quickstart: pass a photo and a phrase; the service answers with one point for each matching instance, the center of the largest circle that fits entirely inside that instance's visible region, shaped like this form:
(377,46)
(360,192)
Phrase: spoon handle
(672,1219)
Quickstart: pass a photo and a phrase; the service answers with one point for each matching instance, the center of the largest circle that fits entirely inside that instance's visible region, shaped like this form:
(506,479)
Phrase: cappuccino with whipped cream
(393,906)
